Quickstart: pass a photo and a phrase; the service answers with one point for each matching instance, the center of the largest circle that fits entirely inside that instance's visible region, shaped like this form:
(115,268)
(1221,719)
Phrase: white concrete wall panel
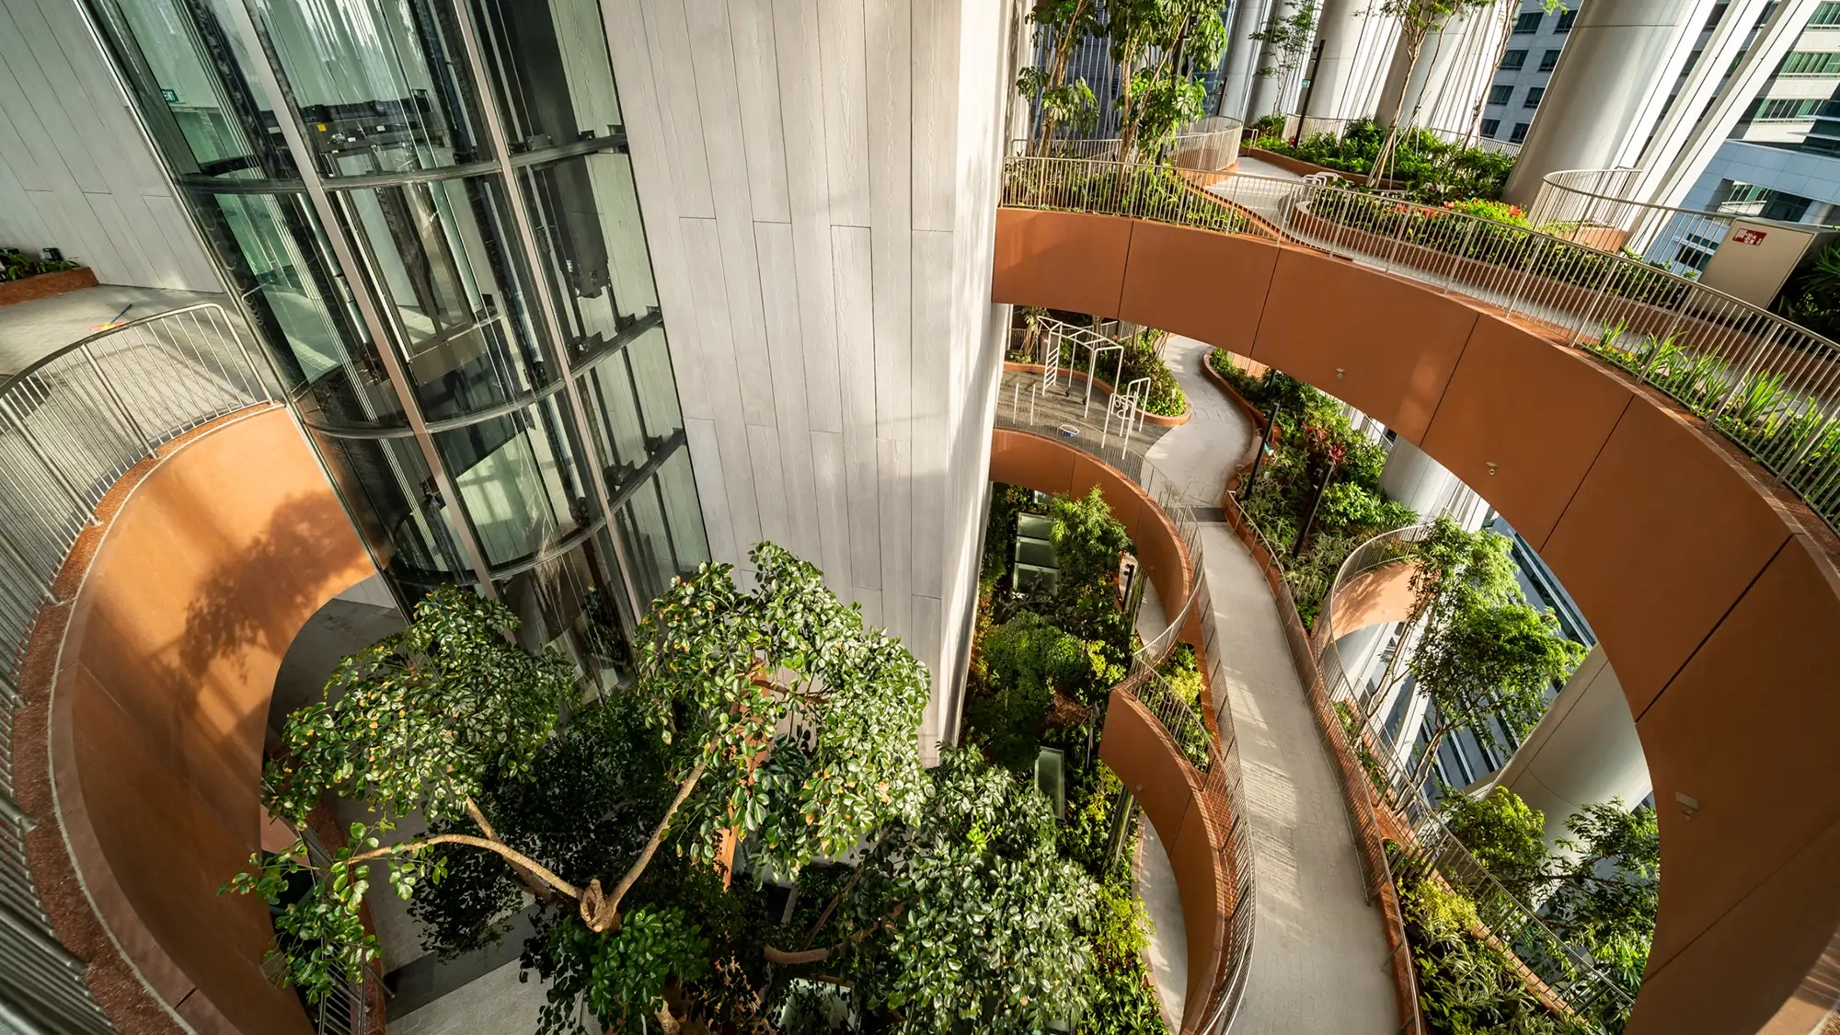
(818,182)
(75,172)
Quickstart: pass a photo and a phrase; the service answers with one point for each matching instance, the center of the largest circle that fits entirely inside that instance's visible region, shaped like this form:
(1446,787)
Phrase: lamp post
(1335,460)
(1245,492)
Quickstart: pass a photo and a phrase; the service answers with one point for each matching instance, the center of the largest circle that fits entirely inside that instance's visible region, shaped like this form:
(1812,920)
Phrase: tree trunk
(1414,43)
(601,912)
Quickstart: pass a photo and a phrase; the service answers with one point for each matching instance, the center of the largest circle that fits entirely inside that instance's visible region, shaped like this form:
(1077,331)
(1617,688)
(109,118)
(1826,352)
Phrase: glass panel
(550,68)
(397,506)
(441,256)
(519,478)
(661,527)
(574,604)
(285,270)
(189,74)
(633,406)
(380,84)
(592,247)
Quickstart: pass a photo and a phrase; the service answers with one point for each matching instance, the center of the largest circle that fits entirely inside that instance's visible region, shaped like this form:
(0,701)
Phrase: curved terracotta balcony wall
(159,672)
(1134,744)
(1715,594)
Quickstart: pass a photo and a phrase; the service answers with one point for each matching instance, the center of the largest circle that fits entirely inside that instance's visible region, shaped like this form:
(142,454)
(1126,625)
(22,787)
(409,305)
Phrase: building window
(1718,12)
(1548,60)
(1692,258)
(1500,92)
(1826,13)
(1514,60)
(1526,23)
(1566,18)
(1811,63)
(1787,109)
(1533,97)
(1519,134)
(1490,127)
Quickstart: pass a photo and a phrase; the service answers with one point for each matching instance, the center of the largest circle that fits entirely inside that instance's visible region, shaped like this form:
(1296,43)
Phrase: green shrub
(18,265)
(1429,168)
(1165,397)
(1180,674)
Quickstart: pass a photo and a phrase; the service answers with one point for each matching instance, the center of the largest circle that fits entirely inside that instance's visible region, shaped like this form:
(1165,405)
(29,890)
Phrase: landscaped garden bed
(1044,662)
(24,278)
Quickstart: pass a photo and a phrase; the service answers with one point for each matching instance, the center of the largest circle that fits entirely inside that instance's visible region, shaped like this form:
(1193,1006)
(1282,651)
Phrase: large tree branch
(511,855)
(598,910)
(535,885)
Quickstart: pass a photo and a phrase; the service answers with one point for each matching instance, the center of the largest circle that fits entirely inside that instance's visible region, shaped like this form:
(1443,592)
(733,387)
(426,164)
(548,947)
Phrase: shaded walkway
(1317,952)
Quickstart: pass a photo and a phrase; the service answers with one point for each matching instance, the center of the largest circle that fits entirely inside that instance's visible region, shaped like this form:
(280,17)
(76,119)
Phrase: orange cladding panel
(1063,260)
(1539,412)
(202,579)
(1755,712)
(1661,538)
(1198,283)
(1384,345)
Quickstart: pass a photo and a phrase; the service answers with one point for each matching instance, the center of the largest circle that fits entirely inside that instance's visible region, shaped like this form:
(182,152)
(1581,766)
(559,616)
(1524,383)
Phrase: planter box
(46,285)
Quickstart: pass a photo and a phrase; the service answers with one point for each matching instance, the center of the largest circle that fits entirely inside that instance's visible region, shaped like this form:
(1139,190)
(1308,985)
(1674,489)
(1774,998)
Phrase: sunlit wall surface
(428,210)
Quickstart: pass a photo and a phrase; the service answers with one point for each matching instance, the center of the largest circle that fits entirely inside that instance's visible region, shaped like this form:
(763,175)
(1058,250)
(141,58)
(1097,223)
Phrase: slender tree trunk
(1415,43)
(535,885)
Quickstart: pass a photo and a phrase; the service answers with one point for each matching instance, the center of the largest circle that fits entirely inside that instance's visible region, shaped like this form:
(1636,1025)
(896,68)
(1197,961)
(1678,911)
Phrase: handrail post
(108,388)
(57,473)
(1751,364)
(18,558)
(1603,288)
(1539,245)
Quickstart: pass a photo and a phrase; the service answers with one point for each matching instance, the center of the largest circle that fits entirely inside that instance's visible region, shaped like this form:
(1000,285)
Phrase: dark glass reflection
(398,506)
(519,479)
(550,70)
(443,262)
(632,406)
(380,84)
(191,77)
(285,271)
(662,528)
(591,245)
(573,602)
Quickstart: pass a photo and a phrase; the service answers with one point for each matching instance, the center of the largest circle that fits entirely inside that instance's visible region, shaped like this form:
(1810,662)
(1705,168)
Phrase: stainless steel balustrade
(1572,976)
(70,426)
(1218,769)
(1768,385)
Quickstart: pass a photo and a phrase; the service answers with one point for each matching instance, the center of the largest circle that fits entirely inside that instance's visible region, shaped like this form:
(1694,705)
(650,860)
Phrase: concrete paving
(31,330)
(1167,953)
(1318,951)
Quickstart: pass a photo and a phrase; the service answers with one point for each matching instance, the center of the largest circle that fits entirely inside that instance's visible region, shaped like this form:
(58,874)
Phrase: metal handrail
(1768,385)
(1571,975)
(71,425)
(1219,774)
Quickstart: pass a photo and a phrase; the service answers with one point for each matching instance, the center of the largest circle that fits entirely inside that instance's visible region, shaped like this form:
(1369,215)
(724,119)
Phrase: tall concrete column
(1411,477)
(1583,752)
(1242,58)
(1445,63)
(1613,76)
(1338,31)
(1265,92)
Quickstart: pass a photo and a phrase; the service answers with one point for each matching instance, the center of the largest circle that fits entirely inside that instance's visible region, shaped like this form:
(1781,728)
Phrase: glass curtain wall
(427,209)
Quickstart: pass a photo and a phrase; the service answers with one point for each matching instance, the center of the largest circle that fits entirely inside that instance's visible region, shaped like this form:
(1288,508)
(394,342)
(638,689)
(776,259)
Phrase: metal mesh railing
(1565,976)
(1597,207)
(1207,145)
(70,426)
(1211,753)
(1769,386)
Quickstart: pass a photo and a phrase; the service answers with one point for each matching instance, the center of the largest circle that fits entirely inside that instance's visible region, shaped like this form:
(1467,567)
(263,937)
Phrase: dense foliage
(1042,669)
(1432,170)
(1598,894)
(1159,48)
(767,731)
(1143,358)
(1312,434)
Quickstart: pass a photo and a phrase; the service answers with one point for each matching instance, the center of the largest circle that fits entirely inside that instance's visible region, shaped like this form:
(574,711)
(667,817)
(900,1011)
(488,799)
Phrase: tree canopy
(767,730)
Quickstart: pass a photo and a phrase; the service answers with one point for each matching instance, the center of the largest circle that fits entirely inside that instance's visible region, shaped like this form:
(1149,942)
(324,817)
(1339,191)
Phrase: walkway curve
(1714,590)
(1319,951)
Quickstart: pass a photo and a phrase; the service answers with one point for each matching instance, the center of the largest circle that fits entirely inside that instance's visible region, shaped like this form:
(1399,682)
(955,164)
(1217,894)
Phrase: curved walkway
(1318,951)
